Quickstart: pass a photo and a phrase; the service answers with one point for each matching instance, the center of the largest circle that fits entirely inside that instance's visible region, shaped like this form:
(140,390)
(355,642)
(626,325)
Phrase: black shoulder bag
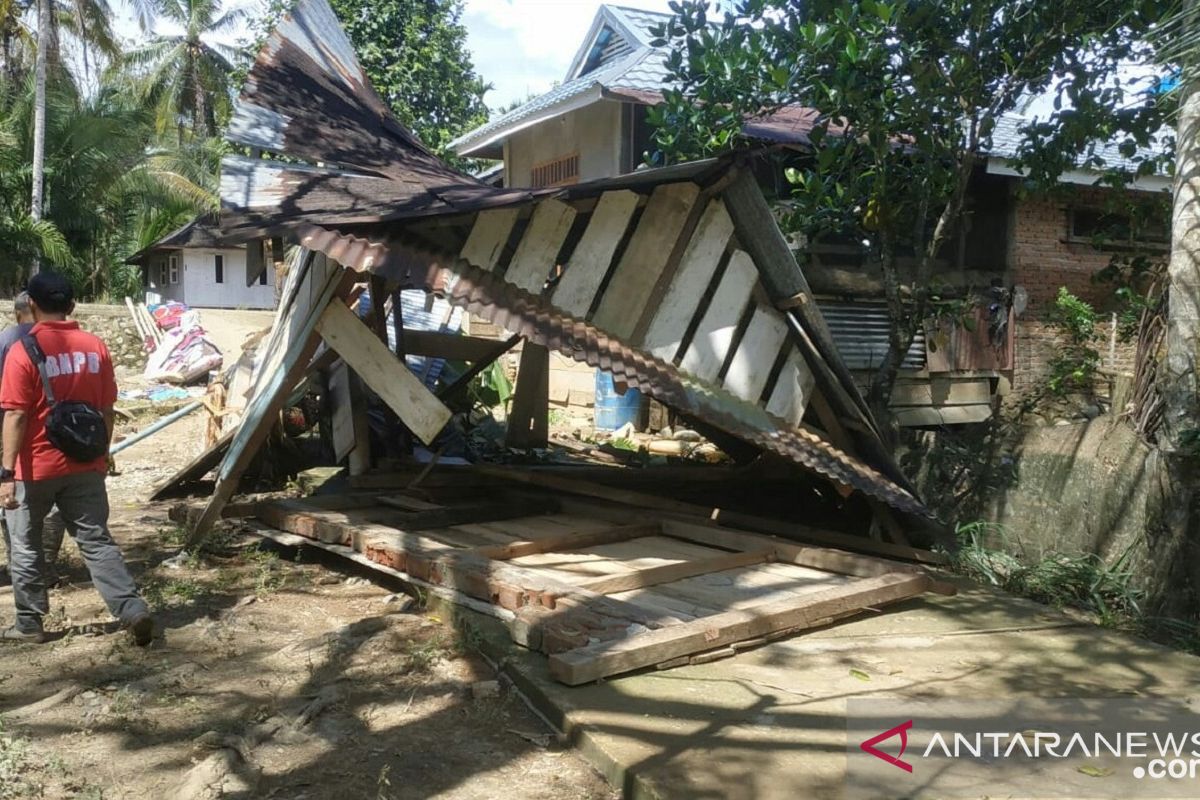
(75,428)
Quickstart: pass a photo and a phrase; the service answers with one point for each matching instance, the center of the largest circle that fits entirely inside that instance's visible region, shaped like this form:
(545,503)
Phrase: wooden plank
(589,263)
(559,483)
(359,460)
(529,419)
(447,345)
(269,399)
(195,469)
(388,377)
(537,254)
(256,260)
(942,391)
(791,531)
(687,287)
(790,552)
(751,365)
(569,541)
(428,559)
(342,431)
(508,508)
(793,388)
(654,576)
(464,380)
(645,258)
(941,415)
(592,662)
(489,234)
(710,344)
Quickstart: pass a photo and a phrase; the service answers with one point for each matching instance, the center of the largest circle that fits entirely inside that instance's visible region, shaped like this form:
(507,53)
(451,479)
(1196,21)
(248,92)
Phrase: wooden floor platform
(601,587)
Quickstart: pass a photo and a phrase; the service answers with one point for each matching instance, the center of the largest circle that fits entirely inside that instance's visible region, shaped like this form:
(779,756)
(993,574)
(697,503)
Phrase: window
(558,172)
(162,274)
(173,269)
(1109,231)
(262,277)
(219,264)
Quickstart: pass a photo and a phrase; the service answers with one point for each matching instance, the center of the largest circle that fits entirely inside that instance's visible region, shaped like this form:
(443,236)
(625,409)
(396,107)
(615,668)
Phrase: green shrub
(1075,365)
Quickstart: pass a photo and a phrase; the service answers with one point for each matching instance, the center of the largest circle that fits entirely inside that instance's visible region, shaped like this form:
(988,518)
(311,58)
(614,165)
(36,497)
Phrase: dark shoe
(142,630)
(16,635)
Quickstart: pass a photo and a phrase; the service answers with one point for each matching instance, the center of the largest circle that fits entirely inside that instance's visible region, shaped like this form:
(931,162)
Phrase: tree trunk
(1179,436)
(1181,419)
(39,116)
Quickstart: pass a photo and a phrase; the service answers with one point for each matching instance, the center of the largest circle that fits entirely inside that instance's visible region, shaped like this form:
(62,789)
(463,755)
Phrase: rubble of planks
(600,587)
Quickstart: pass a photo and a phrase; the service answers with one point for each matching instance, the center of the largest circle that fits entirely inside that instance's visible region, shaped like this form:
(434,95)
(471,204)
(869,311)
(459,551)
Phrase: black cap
(52,292)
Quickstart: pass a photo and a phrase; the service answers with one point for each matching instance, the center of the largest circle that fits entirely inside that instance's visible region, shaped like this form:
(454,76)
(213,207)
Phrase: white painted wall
(159,288)
(201,289)
(593,131)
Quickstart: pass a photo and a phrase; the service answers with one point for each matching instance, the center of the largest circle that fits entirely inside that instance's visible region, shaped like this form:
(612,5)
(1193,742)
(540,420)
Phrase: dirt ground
(279,674)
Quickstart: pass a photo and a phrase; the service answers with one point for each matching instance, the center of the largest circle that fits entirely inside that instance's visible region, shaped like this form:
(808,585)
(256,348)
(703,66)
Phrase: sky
(519,46)
(524,46)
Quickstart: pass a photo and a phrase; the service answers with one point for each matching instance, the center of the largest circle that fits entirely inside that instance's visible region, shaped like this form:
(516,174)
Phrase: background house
(593,125)
(192,266)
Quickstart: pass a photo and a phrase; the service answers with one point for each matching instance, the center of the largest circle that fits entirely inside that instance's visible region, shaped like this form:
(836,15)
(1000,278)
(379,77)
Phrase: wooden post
(360,457)
(279,264)
(529,420)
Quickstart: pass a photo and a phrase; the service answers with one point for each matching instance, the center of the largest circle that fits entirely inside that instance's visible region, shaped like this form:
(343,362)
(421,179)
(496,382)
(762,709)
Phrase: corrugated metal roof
(860,331)
(203,231)
(517,311)
(307,97)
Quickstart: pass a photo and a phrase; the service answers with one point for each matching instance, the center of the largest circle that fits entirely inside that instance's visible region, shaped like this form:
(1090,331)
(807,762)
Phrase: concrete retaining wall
(1087,487)
(111,323)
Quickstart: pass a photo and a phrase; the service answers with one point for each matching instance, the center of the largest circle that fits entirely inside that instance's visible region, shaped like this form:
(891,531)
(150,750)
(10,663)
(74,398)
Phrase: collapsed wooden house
(675,280)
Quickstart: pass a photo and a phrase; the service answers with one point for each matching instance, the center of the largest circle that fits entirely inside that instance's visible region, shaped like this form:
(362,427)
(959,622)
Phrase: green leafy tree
(110,188)
(906,97)
(188,76)
(414,52)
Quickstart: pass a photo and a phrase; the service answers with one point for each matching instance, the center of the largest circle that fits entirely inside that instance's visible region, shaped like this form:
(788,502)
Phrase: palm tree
(1181,418)
(39,116)
(186,76)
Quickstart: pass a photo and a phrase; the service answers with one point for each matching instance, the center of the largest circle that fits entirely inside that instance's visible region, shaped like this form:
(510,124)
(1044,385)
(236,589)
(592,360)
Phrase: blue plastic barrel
(614,410)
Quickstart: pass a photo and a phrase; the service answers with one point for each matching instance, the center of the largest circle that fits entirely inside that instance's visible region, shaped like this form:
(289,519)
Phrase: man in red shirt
(35,475)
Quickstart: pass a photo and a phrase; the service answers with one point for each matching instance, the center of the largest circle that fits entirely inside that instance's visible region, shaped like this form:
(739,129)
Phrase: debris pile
(173,336)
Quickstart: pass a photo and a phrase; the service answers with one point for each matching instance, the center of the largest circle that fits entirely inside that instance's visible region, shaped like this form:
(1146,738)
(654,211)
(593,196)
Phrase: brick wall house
(1044,257)
(594,125)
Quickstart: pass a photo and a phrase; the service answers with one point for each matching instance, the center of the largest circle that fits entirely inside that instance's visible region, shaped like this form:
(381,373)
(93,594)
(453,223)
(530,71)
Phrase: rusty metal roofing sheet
(307,97)
(489,296)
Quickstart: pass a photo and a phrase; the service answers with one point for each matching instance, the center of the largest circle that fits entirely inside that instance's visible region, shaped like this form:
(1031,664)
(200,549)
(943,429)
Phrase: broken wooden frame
(598,595)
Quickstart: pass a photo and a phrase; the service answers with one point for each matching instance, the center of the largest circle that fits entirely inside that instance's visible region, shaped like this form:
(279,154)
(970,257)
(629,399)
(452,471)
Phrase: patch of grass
(162,593)
(18,768)
(421,652)
(1083,581)
(267,570)
(23,773)
(173,535)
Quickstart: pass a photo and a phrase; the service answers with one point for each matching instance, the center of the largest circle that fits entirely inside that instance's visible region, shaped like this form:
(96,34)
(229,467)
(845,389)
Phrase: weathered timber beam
(417,407)
(592,662)
(569,541)
(509,508)
(654,576)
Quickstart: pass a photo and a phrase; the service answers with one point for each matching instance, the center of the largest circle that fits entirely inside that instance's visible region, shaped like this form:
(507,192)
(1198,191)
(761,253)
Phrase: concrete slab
(770,723)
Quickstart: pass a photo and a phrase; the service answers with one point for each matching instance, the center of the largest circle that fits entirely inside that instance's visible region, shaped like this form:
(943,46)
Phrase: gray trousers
(52,536)
(83,501)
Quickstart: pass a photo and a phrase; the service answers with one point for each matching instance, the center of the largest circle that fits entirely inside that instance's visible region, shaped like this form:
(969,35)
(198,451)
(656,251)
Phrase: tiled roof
(562,93)
(1007,138)
(639,21)
(642,70)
